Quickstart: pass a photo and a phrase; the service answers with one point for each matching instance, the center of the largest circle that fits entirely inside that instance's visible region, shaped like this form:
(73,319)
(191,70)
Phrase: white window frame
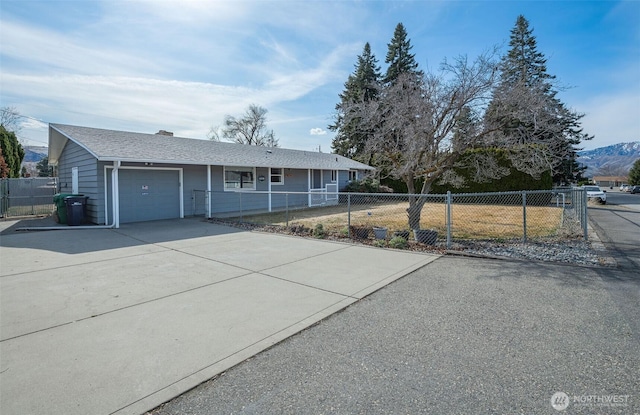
(334,176)
(241,169)
(74,181)
(353,175)
(272,175)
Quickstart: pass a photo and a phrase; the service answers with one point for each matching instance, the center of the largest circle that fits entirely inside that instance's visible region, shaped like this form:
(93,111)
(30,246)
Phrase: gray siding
(91,182)
(76,156)
(295,180)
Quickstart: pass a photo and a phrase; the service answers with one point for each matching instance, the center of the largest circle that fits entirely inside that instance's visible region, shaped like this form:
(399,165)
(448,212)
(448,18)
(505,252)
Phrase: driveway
(119,321)
(458,336)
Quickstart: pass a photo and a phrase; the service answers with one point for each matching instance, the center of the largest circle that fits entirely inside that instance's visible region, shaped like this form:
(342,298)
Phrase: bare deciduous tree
(214,133)
(250,129)
(10,119)
(421,126)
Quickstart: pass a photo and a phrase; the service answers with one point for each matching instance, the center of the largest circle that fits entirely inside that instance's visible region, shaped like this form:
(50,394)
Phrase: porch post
(115,194)
(269,187)
(309,185)
(209,191)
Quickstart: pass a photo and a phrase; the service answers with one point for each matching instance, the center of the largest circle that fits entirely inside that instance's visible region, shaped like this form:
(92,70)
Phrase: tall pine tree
(524,80)
(399,56)
(361,86)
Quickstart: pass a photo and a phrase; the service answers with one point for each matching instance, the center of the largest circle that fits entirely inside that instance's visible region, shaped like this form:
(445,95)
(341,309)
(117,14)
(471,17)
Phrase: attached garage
(147,194)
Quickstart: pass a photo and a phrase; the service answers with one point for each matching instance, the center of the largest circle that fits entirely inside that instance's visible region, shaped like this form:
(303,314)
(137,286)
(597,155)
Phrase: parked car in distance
(624,188)
(634,189)
(596,194)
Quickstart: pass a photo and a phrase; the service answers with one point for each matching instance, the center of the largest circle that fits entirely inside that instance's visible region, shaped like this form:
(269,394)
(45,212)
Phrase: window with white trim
(239,178)
(353,175)
(277,176)
(334,175)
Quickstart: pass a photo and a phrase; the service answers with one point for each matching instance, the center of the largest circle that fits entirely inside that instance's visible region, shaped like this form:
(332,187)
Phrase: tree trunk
(414,211)
(416,202)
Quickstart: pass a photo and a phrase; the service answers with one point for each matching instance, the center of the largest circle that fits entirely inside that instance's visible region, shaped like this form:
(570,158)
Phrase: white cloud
(317,131)
(139,104)
(188,106)
(42,48)
(33,124)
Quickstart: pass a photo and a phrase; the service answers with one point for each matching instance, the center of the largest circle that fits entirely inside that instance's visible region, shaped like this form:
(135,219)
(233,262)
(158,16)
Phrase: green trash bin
(61,206)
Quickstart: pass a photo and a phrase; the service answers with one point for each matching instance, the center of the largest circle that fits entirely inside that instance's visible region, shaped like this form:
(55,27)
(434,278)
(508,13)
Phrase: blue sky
(183,65)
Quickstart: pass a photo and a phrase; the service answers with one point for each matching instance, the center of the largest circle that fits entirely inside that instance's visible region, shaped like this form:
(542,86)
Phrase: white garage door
(149,195)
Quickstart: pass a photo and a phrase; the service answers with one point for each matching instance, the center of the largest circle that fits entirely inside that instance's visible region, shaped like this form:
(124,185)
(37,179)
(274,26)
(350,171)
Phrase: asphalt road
(459,335)
(618,226)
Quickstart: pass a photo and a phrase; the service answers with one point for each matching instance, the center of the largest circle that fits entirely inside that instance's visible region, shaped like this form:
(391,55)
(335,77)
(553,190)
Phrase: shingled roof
(110,145)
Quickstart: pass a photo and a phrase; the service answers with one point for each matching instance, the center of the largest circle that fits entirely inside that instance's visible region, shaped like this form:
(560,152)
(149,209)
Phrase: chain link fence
(441,219)
(27,196)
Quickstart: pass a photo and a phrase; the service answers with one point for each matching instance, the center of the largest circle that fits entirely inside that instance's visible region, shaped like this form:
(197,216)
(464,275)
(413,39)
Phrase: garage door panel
(149,195)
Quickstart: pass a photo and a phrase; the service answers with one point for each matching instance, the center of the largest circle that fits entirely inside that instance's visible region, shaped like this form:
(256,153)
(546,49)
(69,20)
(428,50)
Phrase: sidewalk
(119,321)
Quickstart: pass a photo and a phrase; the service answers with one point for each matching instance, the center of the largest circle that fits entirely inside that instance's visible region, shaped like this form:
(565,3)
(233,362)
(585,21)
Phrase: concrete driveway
(119,321)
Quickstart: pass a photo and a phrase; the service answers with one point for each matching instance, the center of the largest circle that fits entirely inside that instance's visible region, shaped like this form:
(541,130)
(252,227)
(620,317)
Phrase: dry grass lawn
(469,221)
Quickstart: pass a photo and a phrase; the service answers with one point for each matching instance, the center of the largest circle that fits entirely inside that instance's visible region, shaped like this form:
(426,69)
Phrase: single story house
(134,177)
(610,181)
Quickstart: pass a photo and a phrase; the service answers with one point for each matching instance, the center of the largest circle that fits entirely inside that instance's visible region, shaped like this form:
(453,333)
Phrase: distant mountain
(614,160)
(33,154)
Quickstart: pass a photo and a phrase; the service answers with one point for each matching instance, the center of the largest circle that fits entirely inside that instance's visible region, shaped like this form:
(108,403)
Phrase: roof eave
(108,159)
(56,146)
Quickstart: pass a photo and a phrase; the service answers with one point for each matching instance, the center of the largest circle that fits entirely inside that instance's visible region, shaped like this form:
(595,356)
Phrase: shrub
(367,185)
(398,242)
(515,180)
(319,232)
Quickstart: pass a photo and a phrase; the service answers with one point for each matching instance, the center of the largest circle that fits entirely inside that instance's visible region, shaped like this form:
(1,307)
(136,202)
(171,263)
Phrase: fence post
(286,207)
(3,185)
(524,216)
(349,215)
(33,199)
(449,219)
(585,214)
(193,201)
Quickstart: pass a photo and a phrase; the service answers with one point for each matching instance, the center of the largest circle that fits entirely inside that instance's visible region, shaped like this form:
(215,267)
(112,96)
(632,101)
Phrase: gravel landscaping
(570,251)
(560,249)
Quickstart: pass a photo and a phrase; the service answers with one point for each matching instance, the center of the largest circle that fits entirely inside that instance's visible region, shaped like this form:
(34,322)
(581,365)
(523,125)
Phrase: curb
(596,243)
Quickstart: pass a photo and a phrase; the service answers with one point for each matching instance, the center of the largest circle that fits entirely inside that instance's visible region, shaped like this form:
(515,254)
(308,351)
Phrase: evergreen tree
(12,151)
(524,82)
(399,56)
(466,125)
(523,63)
(4,168)
(361,86)
(634,173)
(43,168)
